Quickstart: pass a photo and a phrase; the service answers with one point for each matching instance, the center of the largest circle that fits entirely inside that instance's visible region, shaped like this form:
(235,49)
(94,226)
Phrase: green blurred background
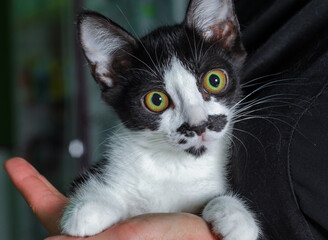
(50,108)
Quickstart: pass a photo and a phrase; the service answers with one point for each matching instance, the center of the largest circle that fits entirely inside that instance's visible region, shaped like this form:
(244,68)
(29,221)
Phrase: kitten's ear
(102,40)
(216,20)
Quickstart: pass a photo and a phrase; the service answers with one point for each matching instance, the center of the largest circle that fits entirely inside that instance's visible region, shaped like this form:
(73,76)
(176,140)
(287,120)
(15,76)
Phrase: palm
(47,204)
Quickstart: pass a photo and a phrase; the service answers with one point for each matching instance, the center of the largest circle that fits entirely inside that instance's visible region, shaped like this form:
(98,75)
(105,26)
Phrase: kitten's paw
(230,219)
(87,219)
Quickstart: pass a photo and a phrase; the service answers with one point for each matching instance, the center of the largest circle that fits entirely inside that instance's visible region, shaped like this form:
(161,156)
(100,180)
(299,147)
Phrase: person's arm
(48,204)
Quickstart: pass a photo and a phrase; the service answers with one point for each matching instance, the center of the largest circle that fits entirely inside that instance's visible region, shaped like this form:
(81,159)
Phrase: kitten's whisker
(212,45)
(282,104)
(256,90)
(267,119)
(250,117)
(156,56)
(271,118)
(252,135)
(285,82)
(192,52)
(113,128)
(244,113)
(106,140)
(260,78)
(161,56)
(138,59)
(195,48)
(202,46)
(229,140)
(231,136)
(143,70)
(139,40)
(270,99)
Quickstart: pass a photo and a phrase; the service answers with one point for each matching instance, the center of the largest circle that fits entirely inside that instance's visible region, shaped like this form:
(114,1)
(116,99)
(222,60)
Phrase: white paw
(230,219)
(88,218)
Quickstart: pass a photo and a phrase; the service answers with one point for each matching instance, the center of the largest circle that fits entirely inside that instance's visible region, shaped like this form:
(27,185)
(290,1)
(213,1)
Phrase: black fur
(185,130)
(217,122)
(139,65)
(96,171)
(183,141)
(139,68)
(134,83)
(189,131)
(197,152)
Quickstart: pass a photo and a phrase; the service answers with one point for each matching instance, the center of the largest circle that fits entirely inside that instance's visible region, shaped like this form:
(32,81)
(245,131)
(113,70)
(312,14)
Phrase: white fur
(146,178)
(231,219)
(149,173)
(182,88)
(189,107)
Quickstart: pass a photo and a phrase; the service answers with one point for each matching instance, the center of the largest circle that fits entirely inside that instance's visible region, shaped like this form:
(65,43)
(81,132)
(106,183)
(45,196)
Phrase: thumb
(43,198)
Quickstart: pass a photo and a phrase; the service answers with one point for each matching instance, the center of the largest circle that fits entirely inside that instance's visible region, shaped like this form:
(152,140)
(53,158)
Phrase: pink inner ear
(226,32)
(102,74)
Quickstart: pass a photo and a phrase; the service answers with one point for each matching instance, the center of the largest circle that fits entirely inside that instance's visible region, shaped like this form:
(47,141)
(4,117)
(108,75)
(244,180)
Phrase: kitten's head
(179,82)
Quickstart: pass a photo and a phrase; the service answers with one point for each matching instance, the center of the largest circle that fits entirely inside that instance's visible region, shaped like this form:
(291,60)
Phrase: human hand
(48,204)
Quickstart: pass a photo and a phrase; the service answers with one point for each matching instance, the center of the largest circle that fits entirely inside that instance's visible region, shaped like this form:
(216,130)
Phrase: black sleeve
(280,150)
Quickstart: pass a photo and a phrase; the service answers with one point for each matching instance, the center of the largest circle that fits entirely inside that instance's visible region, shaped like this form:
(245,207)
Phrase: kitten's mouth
(198,139)
(215,123)
(206,138)
(200,148)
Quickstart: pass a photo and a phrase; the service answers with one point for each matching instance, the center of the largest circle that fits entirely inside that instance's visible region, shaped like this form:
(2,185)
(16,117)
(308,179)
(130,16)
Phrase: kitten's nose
(199,129)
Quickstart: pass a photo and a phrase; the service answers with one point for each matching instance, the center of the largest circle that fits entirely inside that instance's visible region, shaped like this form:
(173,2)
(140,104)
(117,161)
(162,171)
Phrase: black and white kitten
(175,91)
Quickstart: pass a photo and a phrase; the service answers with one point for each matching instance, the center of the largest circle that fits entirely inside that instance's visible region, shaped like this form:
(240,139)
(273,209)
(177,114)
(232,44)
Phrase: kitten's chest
(168,183)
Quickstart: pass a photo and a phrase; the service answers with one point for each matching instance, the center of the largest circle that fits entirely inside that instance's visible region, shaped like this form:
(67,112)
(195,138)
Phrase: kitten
(175,90)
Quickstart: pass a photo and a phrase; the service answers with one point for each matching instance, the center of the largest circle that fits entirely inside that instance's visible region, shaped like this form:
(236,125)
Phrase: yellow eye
(215,81)
(156,101)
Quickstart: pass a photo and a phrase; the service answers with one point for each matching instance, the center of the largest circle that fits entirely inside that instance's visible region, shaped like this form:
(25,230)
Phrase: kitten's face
(178,83)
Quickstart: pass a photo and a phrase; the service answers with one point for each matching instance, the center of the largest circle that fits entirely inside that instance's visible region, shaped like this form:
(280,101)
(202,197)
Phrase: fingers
(65,238)
(155,226)
(44,199)
(168,226)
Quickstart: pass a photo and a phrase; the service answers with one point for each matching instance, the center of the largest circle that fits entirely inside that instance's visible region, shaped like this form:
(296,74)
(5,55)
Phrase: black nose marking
(217,122)
(199,129)
(184,129)
(189,131)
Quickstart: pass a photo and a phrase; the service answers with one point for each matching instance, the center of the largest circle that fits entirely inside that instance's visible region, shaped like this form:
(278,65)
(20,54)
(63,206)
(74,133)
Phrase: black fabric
(280,157)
